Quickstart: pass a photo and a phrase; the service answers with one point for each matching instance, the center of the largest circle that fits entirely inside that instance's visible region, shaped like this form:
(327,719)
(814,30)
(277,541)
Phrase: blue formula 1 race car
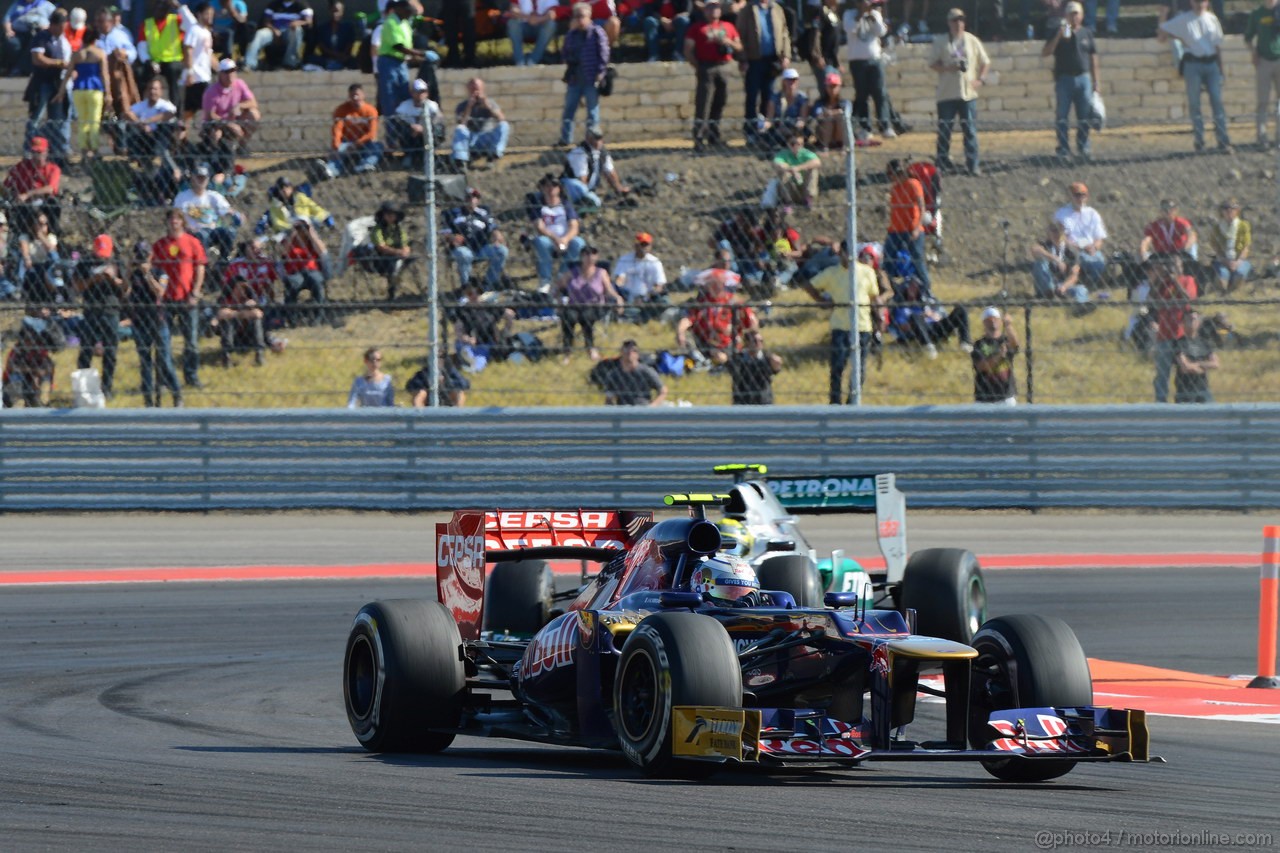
(673,654)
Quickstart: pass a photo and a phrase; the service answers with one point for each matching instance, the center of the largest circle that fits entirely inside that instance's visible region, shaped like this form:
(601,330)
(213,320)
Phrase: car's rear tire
(673,658)
(402,676)
(1025,661)
(793,573)
(518,597)
(946,589)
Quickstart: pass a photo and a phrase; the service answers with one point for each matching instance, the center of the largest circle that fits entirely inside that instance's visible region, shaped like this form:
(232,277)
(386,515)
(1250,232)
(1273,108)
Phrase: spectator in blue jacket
(586,53)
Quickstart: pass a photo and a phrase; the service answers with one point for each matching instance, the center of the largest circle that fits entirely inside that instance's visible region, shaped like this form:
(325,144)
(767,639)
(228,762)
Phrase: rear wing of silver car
(860,493)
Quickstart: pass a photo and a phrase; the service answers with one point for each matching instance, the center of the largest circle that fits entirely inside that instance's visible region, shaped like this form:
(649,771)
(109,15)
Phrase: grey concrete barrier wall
(1190,457)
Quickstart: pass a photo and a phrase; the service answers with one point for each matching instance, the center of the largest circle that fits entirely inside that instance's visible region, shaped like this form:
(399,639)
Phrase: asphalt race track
(209,715)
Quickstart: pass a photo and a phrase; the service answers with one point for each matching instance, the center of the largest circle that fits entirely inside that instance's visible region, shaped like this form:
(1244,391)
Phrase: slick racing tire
(946,589)
(518,597)
(402,676)
(674,658)
(793,573)
(1025,661)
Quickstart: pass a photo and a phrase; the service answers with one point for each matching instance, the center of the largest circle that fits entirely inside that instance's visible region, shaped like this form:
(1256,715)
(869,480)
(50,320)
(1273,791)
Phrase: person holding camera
(1075,78)
(709,46)
(993,378)
(961,63)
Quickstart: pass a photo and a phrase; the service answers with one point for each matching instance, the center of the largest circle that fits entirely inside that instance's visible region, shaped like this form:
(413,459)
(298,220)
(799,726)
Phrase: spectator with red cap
(639,275)
(101,288)
(33,184)
(355,136)
(828,115)
(709,46)
(180,258)
(304,262)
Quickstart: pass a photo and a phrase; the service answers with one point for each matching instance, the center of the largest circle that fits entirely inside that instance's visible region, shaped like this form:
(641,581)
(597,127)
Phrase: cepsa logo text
(550,519)
(553,648)
(540,528)
(464,554)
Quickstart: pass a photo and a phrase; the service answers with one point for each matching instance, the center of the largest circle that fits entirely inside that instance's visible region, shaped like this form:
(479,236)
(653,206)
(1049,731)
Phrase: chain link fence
(504,342)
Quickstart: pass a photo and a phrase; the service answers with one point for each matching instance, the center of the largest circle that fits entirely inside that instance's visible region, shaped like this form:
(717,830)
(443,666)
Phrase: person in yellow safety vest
(160,47)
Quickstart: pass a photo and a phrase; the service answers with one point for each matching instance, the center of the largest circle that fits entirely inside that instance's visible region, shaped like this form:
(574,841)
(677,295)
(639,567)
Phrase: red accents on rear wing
(462,541)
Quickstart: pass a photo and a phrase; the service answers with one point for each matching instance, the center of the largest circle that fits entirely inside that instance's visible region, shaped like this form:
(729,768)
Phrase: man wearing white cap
(993,353)
(407,128)
(230,102)
(1075,77)
(961,63)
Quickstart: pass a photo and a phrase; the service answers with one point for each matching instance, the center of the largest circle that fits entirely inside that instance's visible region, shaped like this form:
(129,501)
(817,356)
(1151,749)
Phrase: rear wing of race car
(863,493)
(473,538)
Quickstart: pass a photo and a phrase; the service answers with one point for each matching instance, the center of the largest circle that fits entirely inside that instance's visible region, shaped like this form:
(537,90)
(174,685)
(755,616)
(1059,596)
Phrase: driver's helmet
(725,578)
(735,538)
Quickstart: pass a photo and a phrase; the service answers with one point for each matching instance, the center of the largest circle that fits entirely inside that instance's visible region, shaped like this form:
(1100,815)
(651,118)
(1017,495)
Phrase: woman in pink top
(585,293)
(229,101)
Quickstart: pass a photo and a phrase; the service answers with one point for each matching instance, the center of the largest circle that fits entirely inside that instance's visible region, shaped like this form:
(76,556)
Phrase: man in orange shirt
(355,136)
(906,225)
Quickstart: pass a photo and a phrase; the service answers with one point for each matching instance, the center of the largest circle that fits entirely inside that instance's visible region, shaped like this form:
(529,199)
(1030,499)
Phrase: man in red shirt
(717,321)
(355,136)
(906,224)
(709,46)
(33,183)
(1170,234)
(304,261)
(1171,294)
(179,258)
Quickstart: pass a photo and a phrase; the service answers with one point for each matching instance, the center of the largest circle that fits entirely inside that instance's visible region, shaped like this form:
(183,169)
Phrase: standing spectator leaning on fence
(961,63)
(766,52)
(1171,294)
(1195,357)
(752,369)
(1200,33)
(709,46)
(482,127)
(864,27)
(150,326)
(1262,35)
(586,56)
(1230,239)
(627,381)
(534,19)
(906,222)
(373,388)
(180,258)
(993,377)
(1075,78)
(1085,230)
(101,287)
(832,288)
(45,94)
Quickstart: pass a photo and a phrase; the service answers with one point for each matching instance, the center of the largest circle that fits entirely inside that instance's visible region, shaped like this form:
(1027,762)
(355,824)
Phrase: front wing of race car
(781,736)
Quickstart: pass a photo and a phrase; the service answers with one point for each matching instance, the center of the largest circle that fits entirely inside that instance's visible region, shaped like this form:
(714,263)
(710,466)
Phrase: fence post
(433,289)
(1027,354)
(851,238)
(1268,592)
